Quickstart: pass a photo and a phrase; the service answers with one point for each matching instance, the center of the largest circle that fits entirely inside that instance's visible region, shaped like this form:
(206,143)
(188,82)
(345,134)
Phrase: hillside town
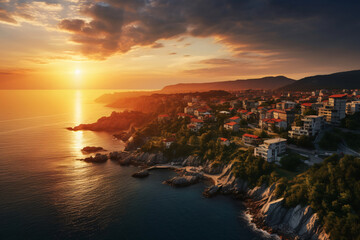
(274,124)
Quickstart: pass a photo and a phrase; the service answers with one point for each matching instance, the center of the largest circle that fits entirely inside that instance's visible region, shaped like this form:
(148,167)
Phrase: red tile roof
(307,104)
(224,139)
(197,120)
(338,96)
(251,136)
(231,123)
(275,110)
(242,111)
(234,118)
(272,120)
(169,140)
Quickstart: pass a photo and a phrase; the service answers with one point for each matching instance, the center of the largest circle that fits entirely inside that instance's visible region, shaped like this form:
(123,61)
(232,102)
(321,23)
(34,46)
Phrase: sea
(46,192)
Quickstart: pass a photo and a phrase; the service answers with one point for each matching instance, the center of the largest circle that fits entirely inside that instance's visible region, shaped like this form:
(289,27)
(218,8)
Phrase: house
(269,123)
(200,111)
(242,112)
(168,142)
(183,115)
(207,117)
(189,110)
(249,115)
(224,141)
(271,149)
(232,126)
(235,119)
(192,127)
(163,117)
(312,125)
(198,122)
(252,140)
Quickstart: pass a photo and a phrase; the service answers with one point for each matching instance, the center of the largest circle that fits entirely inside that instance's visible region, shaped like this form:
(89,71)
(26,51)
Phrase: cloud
(6,17)
(218,61)
(307,29)
(14,71)
(46,13)
(157,45)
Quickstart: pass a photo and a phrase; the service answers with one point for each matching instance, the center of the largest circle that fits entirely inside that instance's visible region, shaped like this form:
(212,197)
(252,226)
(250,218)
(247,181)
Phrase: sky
(148,44)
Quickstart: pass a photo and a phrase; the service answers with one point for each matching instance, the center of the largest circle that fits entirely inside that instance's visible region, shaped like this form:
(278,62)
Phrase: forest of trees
(332,189)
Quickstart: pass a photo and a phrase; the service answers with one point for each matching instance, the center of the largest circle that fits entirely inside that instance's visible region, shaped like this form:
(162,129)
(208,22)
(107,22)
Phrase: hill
(340,80)
(265,83)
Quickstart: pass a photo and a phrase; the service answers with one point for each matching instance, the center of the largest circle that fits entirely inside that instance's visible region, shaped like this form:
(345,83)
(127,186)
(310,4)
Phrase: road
(312,154)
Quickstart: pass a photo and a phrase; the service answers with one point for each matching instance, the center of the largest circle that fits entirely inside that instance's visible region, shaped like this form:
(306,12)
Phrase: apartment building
(312,125)
(335,110)
(271,149)
(251,140)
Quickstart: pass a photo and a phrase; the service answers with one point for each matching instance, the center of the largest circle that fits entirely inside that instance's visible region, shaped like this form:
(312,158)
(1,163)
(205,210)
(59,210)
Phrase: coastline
(249,215)
(264,210)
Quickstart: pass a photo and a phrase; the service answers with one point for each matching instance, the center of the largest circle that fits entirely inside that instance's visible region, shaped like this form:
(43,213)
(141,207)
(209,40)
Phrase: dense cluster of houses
(301,114)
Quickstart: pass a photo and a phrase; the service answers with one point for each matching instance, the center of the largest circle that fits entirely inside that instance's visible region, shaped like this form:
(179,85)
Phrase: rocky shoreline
(268,212)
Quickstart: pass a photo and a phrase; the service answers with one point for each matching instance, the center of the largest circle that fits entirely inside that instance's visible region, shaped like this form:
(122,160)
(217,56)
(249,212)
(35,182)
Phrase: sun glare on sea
(78,72)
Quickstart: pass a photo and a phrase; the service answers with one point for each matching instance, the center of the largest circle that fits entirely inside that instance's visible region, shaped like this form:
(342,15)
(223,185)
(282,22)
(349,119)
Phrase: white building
(352,107)
(271,149)
(312,125)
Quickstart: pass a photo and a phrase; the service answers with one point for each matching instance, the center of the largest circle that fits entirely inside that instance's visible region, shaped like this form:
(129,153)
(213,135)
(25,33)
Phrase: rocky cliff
(268,212)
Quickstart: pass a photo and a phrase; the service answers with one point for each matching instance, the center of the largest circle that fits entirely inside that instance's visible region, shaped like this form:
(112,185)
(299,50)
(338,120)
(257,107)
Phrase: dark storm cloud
(303,29)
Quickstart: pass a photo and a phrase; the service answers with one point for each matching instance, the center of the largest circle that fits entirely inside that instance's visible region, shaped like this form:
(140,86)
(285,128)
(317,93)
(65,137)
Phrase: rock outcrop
(89,149)
(269,212)
(194,161)
(182,181)
(185,179)
(99,158)
(141,174)
(211,191)
(213,168)
(138,158)
(299,222)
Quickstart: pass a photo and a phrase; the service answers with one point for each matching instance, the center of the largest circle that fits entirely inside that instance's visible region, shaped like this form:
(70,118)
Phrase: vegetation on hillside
(351,121)
(116,121)
(332,189)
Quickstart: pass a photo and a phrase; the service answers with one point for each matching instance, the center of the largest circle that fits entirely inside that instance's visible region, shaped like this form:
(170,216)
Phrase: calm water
(45,193)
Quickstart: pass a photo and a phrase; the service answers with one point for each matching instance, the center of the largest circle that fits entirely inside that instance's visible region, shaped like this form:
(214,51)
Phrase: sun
(77,72)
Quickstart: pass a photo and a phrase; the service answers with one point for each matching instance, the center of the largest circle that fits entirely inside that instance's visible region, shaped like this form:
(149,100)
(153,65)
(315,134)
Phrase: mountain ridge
(264,83)
(338,80)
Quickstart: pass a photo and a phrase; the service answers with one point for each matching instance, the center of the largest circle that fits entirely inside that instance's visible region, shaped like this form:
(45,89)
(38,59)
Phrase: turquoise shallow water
(47,194)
